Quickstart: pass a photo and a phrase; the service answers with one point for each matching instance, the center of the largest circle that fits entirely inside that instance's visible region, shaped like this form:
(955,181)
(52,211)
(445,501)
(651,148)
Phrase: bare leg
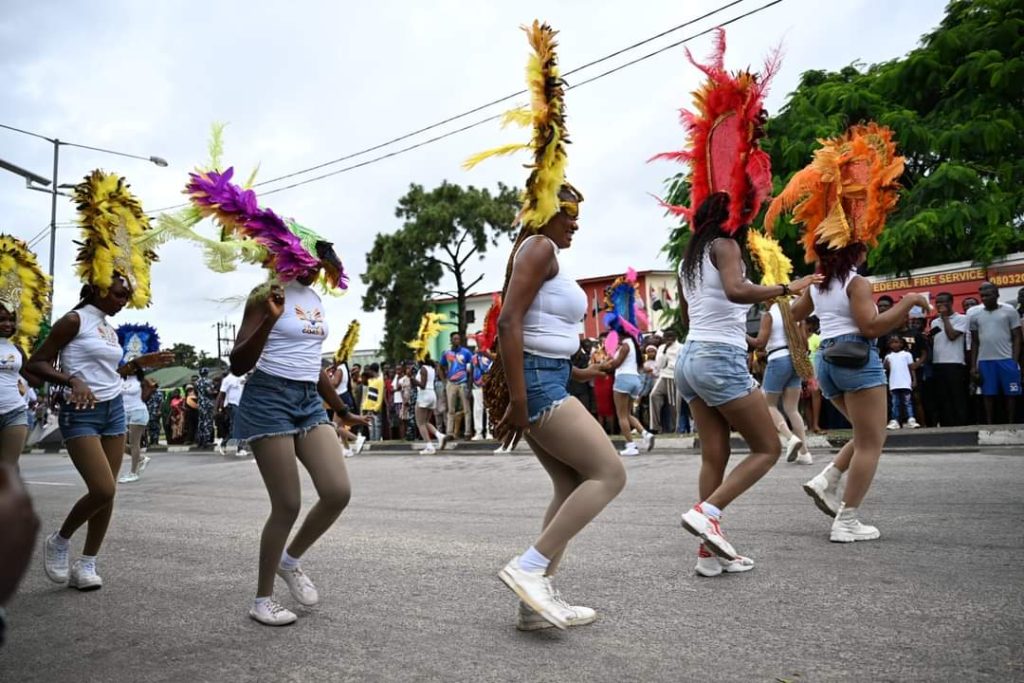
(12,443)
(275,457)
(98,460)
(750,417)
(791,405)
(564,480)
(715,449)
(622,412)
(135,445)
(777,417)
(816,410)
(571,436)
(320,453)
(427,430)
(866,410)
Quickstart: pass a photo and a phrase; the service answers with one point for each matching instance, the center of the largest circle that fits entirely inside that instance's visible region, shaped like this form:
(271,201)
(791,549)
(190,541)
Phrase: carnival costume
(24,291)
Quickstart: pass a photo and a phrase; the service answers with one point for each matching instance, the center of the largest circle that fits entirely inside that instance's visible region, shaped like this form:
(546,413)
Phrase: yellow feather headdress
(774,264)
(845,194)
(113,225)
(430,327)
(550,137)
(24,290)
(348,343)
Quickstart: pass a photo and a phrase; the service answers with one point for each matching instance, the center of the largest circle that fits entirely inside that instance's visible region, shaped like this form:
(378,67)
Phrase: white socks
(60,540)
(288,562)
(532,561)
(87,561)
(832,475)
(710,510)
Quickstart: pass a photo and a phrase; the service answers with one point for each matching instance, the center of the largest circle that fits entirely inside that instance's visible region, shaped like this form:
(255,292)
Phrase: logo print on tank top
(7,363)
(313,321)
(107,334)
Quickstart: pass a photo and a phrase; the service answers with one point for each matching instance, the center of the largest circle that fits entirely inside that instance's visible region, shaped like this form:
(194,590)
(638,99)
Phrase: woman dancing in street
(860,167)
(281,414)
(24,302)
(82,354)
(538,332)
(621,319)
(136,340)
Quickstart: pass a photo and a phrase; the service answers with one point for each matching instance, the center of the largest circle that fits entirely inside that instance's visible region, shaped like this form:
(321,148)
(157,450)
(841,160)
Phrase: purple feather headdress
(625,310)
(237,211)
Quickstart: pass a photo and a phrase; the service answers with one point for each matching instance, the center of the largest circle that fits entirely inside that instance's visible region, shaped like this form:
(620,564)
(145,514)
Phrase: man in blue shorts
(995,348)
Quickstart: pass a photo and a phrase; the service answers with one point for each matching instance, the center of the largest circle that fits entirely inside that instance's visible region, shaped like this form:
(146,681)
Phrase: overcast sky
(304,82)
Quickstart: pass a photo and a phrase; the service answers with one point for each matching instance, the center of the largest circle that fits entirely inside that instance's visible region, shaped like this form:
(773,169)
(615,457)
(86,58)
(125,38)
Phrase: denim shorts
(275,406)
(713,371)
(780,375)
(628,384)
(15,418)
(106,418)
(138,417)
(835,380)
(546,382)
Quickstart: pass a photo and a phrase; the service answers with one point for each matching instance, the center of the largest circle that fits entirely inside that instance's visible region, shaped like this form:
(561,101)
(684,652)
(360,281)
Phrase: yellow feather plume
(548,142)
(774,264)
(113,227)
(430,327)
(24,290)
(348,343)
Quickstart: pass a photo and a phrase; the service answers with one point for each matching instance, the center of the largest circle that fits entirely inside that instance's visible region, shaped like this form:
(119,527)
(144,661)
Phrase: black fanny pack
(847,354)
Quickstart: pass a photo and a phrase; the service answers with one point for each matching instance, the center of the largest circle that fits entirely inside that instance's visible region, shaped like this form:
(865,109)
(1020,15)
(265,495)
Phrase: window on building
(470,316)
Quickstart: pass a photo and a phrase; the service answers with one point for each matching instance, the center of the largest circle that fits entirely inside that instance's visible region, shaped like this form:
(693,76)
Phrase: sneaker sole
(712,546)
(53,577)
(271,623)
(853,539)
(819,501)
(794,451)
(85,589)
(514,587)
(650,445)
(709,574)
(538,624)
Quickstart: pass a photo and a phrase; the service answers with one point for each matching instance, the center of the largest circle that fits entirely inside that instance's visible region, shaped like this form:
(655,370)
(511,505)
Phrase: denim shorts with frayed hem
(106,418)
(546,382)
(15,418)
(275,406)
(715,372)
(780,375)
(628,384)
(835,380)
(138,417)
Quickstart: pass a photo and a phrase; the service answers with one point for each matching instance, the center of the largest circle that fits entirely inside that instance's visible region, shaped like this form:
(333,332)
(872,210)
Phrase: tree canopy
(443,230)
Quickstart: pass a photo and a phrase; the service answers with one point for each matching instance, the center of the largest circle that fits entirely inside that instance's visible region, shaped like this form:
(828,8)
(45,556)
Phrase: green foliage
(185,354)
(443,230)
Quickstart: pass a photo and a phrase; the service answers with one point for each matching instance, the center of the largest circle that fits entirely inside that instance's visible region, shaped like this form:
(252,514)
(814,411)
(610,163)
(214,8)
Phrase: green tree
(443,230)
(185,354)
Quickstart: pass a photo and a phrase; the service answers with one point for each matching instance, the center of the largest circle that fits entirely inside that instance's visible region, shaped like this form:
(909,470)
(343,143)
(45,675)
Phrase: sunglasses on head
(570,209)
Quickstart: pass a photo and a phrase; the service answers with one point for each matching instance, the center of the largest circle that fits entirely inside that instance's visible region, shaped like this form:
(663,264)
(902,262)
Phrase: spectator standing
(583,391)
(204,392)
(916,344)
(231,388)
(811,387)
(397,421)
(480,365)
(454,367)
(995,348)
(155,406)
(949,367)
(603,395)
(664,392)
(373,399)
(899,363)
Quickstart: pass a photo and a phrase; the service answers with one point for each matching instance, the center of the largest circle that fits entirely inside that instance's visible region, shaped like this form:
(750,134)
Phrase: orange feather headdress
(722,139)
(845,194)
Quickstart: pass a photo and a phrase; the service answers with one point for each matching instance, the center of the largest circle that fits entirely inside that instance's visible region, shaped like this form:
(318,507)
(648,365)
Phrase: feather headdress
(113,227)
(548,143)
(722,139)
(845,194)
(430,327)
(489,333)
(137,340)
(624,310)
(348,343)
(24,290)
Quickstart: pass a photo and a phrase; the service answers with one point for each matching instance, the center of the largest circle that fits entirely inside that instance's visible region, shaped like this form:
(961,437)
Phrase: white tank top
(778,345)
(628,366)
(10,371)
(833,308)
(342,387)
(551,326)
(94,353)
(131,394)
(293,348)
(713,318)
(429,383)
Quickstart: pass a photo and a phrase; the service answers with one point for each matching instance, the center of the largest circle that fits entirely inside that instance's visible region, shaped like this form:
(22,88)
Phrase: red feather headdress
(489,334)
(722,151)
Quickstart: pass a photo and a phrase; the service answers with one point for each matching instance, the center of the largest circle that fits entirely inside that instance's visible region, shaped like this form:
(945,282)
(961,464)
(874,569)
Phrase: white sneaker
(847,528)
(500,450)
(793,446)
(648,441)
(55,561)
(142,465)
(575,615)
(710,531)
(804,459)
(711,565)
(428,450)
(478,437)
(360,442)
(629,450)
(535,590)
(912,424)
(242,453)
(271,613)
(441,440)
(220,450)
(893,424)
(824,494)
(128,477)
(83,576)
(347,452)
(302,589)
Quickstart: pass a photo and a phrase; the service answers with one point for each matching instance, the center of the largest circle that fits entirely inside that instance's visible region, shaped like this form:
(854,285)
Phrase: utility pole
(225,339)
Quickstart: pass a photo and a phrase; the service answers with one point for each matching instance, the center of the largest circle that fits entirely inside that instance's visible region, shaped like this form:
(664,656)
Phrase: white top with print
(293,348)
(93,355)
(10,371)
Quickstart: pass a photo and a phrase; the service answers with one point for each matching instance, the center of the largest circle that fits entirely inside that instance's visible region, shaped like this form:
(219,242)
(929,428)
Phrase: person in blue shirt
(455,364)
(481,365)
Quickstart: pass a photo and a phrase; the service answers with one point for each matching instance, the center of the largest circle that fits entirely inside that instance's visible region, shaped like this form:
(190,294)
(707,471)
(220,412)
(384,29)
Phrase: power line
(482,107)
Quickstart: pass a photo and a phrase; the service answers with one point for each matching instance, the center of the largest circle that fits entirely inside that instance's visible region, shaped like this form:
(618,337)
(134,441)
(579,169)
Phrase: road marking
(49,483)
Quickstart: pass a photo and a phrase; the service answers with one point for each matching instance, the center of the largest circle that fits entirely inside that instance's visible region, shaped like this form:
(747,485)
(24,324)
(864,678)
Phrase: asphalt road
(409,591)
